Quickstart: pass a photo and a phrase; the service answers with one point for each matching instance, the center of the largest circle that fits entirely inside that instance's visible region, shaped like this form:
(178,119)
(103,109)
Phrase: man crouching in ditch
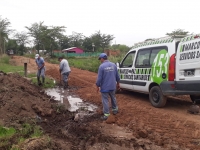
(64,70)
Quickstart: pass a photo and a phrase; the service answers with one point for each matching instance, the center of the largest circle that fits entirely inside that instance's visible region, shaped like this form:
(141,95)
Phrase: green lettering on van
(160,67)
(181,49)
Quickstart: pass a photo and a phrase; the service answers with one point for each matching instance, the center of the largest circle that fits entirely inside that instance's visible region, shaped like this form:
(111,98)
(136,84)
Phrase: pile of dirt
(19,99)
(23,102)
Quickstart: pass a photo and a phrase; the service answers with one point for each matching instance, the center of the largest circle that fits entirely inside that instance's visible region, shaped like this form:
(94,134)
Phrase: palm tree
(4,32)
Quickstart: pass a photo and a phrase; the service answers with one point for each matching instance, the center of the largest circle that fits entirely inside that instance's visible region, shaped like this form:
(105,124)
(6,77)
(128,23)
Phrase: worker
(41,69)
(64,71)
(107,80)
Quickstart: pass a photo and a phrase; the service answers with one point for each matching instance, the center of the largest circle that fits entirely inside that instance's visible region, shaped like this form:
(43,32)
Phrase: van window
(146,57)
(143,58)
(128,60)
(154,52)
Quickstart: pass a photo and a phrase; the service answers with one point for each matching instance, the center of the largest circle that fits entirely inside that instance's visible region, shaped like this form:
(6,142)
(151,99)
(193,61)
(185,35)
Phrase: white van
(163,67)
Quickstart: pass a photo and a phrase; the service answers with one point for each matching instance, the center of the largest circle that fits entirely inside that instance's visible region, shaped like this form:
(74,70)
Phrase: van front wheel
(156,97)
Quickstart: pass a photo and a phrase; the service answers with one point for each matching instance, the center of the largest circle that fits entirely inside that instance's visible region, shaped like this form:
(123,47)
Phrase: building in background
(73,50)
(112,52)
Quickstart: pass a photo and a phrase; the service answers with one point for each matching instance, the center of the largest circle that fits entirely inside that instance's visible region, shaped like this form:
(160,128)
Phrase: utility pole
(93,46)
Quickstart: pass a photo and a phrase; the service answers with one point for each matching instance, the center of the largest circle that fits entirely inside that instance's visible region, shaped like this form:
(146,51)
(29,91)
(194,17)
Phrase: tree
(37,31)
(105,40)
(65,42)
(55,36)
(101,41)
(76,39)
(12,44)
(22,41)
(123,48)
(4,32)
(178,33)
(46,37)
(87,44)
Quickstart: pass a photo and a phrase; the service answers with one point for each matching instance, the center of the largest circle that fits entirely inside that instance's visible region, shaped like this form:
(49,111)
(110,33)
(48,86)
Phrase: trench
(71,101)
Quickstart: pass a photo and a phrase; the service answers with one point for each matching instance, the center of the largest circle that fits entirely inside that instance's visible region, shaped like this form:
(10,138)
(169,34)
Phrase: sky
(129,21)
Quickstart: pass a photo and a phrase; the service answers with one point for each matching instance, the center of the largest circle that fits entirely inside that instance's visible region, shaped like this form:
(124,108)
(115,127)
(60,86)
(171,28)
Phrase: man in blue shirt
(107,81)
(41,69)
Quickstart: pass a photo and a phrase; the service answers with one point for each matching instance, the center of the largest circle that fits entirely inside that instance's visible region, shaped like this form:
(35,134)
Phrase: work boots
(65,85)
(38,81)
(43,81)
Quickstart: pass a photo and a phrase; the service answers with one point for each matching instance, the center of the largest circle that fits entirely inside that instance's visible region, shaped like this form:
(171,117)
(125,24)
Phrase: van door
(150,66)
(126,72)
(188,65)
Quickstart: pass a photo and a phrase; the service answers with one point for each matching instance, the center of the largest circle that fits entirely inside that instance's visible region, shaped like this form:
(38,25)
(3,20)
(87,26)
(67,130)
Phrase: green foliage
(12,44)
(178,32)
(89,63)
(123,48)
(29,130)
(46,37)
(49,83)
(6,67)
(6,132)
(9,68)
(37,132)
(10,134)
(5,135)
(4,59)
(4,32)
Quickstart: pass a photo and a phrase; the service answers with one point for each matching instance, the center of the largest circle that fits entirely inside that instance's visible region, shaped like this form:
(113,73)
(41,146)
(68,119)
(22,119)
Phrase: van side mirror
(118,64)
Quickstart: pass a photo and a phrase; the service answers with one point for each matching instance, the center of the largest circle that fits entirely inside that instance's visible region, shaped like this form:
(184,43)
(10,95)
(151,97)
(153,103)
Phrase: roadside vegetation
(86,63)
(14,139)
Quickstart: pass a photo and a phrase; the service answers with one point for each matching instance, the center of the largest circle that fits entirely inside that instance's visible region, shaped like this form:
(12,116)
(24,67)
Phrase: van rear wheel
(195,98)
(156,97)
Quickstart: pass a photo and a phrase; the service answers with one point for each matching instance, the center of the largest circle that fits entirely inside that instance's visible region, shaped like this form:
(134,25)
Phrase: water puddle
(72,102)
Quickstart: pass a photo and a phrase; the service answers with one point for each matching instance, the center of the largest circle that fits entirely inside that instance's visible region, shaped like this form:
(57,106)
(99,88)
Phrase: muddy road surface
(137,126)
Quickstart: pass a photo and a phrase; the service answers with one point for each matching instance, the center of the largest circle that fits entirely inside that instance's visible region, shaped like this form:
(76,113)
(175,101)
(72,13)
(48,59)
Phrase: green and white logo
(160,67)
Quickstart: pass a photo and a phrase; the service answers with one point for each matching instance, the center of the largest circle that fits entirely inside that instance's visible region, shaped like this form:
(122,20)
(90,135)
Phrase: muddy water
(72,102)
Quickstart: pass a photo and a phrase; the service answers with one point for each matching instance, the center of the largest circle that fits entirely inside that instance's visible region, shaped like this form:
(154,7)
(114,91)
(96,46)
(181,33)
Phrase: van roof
(155,41)
(190,37)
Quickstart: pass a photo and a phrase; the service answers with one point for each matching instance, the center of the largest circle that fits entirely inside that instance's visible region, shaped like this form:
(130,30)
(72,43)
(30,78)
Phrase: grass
(49,83)
(6,132)
(31,131)
(18,136)
(86,63)
(6,67)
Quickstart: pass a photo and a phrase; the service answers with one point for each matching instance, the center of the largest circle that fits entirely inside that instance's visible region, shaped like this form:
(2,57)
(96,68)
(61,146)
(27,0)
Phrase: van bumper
(180,87)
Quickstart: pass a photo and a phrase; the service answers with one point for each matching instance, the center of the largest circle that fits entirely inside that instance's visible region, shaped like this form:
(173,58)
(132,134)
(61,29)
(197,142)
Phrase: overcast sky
(130,21)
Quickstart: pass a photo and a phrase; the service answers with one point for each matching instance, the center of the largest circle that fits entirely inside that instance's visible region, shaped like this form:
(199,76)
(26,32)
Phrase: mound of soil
(19,99)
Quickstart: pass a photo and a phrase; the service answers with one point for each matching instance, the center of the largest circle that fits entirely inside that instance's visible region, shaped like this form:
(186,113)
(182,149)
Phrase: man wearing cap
(107,81)
(41,69)
(64,70)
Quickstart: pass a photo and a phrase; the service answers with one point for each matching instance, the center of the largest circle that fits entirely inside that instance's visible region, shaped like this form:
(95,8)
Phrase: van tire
(195,98)
(156,97)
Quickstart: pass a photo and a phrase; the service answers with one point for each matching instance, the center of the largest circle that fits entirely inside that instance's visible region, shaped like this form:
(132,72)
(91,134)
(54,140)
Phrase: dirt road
(171,127)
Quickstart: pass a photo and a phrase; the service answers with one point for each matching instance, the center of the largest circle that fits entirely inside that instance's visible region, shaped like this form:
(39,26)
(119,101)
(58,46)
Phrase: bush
(5,59)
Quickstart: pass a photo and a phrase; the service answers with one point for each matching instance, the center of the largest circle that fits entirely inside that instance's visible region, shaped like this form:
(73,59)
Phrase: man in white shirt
(64,70)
